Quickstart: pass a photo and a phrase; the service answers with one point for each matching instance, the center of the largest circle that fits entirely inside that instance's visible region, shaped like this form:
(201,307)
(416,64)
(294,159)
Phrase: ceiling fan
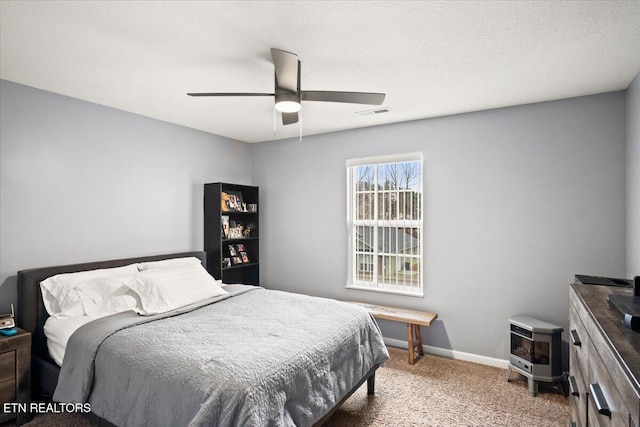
(288,96)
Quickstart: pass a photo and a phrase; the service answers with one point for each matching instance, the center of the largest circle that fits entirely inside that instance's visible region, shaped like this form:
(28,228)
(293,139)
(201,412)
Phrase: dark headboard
(31,313)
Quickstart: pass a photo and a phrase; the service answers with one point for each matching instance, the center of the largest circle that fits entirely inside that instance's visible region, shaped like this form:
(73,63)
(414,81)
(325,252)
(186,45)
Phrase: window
(384,213)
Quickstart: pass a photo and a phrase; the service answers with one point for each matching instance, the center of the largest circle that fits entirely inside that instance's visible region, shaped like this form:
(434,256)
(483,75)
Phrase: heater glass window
(521,347)
(541,353)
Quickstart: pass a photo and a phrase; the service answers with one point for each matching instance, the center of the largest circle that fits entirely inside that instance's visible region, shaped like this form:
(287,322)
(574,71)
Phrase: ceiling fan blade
(349,97)
(289,118)
(229,94)
(287,67)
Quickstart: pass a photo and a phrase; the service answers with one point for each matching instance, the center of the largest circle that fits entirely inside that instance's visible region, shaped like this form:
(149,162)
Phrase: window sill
(419,294)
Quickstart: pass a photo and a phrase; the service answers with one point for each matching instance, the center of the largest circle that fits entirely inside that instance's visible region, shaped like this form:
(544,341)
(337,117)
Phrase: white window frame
(375,284)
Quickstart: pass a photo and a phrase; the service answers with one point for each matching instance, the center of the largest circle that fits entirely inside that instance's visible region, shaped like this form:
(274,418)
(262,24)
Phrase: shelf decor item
(236,230)
(250,230)
(231,232)
(224,219)
(231,201)
(224,202)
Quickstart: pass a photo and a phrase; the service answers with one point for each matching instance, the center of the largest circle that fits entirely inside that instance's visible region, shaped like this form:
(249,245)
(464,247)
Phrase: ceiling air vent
(374,112)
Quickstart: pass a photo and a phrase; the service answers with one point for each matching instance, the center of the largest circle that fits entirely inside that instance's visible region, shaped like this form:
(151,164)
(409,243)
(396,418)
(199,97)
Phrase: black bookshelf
(239,205)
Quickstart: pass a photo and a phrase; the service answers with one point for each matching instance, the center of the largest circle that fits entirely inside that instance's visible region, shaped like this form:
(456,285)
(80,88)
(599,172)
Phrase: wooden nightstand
(15,373)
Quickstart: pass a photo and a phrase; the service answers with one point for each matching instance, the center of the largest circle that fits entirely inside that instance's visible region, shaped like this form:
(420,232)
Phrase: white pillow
(104,296)
(164,289)
(62,301)
(169,263)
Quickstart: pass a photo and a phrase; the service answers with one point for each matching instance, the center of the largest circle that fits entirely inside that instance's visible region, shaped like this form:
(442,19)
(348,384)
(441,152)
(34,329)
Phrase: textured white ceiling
(430,58)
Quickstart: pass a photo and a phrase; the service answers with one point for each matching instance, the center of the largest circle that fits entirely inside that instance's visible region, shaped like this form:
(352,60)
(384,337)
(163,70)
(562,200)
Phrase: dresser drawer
(578,395)
(7,391)
(621,382)
(7,366)
(603,393)
(609,363)
(579,341)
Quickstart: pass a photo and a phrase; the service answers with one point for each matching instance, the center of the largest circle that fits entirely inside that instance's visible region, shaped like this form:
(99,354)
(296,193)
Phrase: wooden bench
(413,319)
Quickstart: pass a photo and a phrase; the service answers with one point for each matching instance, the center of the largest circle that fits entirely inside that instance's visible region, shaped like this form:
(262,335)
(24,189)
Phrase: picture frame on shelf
(224,201)
(236,229)
(231,201)
(226,262)
(240,247)
(224,220)
(236,260)
(244,256)
(232,251)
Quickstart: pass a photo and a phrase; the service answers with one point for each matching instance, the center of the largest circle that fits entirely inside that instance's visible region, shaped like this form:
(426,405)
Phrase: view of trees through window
(387,225)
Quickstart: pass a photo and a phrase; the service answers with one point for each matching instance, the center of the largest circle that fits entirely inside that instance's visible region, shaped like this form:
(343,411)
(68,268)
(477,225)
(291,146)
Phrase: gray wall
(517,201)
(82,182)
(633,178)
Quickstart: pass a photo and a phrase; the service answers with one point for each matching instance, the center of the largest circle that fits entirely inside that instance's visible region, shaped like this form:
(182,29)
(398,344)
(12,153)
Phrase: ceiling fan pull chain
(300,115)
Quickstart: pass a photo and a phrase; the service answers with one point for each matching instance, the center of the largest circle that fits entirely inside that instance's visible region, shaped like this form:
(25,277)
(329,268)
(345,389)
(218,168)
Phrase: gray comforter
(253,358)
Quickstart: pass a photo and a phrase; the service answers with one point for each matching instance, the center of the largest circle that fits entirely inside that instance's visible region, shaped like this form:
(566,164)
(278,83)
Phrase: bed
(249,357)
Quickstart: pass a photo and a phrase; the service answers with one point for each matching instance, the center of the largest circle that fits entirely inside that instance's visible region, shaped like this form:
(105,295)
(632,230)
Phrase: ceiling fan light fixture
(288,103)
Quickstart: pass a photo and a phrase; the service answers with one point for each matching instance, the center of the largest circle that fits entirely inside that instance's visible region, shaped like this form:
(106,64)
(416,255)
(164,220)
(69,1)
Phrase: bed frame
(31,316)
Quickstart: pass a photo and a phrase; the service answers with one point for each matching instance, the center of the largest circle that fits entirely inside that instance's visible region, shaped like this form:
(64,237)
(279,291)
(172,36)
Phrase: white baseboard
(452,354)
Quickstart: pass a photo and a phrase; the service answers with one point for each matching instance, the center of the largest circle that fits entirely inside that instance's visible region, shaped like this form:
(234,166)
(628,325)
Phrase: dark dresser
(604,360)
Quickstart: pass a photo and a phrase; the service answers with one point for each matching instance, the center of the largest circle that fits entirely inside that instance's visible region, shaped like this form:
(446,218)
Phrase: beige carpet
(434,392)
(437,391)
